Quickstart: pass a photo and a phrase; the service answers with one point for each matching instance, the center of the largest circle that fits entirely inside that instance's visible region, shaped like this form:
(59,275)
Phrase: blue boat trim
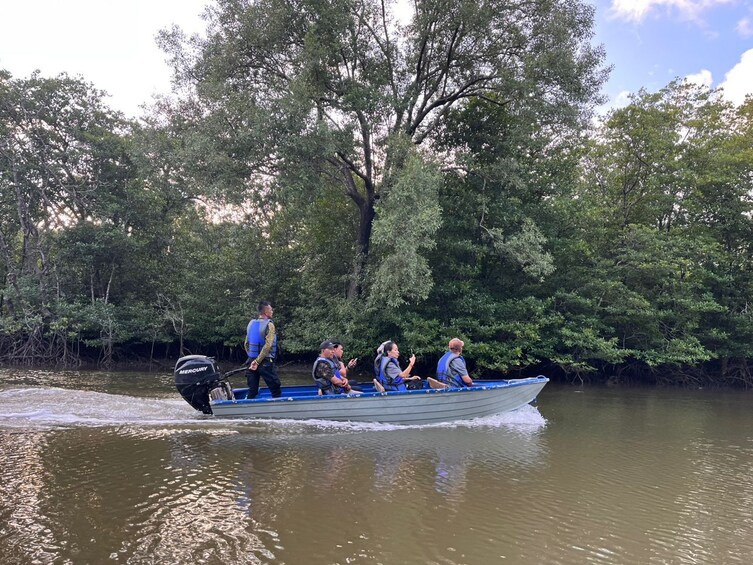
(308,392)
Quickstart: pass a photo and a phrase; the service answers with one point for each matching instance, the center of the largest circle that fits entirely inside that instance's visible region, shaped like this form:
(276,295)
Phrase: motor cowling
(195,377)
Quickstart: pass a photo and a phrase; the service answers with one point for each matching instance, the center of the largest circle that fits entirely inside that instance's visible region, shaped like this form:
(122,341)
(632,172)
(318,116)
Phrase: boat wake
(57,407)
(525,417)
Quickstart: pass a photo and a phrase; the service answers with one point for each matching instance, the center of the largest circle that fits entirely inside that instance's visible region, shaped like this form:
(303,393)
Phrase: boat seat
(434,383)
(378,386)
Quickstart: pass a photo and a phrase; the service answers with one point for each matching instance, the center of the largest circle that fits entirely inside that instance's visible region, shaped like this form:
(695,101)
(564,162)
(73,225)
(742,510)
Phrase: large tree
(285,97)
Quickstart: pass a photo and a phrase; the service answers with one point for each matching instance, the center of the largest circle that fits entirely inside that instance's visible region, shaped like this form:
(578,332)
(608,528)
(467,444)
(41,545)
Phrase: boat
(204,387)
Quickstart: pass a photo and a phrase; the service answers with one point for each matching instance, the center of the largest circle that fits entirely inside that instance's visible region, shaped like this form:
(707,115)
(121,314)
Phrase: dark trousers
(268,372)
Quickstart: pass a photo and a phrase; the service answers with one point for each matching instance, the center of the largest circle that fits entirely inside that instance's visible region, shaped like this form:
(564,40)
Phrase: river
(100,467)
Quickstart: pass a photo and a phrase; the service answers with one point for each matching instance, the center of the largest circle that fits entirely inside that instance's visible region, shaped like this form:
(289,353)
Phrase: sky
(112,44)
(651,42)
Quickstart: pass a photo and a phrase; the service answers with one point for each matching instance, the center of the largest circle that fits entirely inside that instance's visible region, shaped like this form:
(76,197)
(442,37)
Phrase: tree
(661,233)
(62,163)
(289,96)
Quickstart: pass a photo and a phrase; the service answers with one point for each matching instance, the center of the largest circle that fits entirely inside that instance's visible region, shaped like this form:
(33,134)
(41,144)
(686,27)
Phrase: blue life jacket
(443,370)
(390,383)
(326,385)
(378,364)
(256,335)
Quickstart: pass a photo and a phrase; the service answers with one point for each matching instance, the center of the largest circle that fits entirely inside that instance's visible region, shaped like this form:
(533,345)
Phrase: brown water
(116,468)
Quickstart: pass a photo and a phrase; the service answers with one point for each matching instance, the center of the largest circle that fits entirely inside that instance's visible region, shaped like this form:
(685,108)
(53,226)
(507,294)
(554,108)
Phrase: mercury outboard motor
(198,379)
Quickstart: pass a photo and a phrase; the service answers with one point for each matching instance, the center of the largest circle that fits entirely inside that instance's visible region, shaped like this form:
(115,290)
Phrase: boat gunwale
(489,385)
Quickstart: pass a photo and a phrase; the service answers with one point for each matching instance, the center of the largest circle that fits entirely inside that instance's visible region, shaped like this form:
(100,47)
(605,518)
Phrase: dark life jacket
(324,384)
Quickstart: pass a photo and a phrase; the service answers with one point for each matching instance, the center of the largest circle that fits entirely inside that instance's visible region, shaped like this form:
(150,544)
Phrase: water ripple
(598,477)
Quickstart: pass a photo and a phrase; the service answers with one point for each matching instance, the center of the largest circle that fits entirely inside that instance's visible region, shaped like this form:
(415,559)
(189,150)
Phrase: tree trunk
(365,224)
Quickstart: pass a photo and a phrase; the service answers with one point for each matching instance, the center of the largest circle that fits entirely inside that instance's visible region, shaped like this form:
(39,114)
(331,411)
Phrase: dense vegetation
(416,180)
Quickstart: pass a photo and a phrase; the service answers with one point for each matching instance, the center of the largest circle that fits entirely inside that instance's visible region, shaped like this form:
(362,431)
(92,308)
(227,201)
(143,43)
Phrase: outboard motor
(198,378)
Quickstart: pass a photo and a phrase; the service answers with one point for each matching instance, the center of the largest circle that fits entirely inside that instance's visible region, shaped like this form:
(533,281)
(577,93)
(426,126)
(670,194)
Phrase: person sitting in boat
(344,368)
(390,375)
(451,369)
(326,371)
(378,358)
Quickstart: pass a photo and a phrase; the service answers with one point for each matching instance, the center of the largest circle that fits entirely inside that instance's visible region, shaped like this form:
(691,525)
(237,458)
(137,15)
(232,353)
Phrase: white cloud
(637,10)
(621,100)
(701,78)
(738,81)
(744,27)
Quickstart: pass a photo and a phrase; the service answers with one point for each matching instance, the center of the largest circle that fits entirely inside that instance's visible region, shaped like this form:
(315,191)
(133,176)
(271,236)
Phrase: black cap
(326,344)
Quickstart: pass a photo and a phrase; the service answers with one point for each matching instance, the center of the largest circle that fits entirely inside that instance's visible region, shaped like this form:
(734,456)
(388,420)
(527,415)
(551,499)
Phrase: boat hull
(425,406)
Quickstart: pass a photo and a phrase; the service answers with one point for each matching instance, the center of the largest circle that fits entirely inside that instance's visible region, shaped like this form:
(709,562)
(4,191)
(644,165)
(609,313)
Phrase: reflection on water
(24,521)
(192,515)
(96,474)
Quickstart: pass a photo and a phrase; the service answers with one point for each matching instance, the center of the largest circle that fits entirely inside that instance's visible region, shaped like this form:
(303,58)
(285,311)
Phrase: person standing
(261,346)
(451,369)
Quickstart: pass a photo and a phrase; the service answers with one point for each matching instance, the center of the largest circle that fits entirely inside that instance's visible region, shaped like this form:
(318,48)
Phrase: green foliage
(381,180)
(288,98)
(408,217)
(525,249)
(654,264)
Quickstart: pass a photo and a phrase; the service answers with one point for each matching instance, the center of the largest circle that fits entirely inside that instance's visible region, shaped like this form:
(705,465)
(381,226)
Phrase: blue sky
(650,42)
(111,44)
